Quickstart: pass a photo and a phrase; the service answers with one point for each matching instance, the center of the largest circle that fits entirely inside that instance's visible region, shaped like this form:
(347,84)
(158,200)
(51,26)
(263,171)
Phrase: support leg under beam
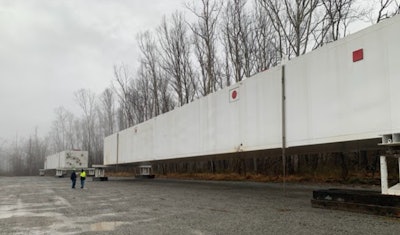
(384,175)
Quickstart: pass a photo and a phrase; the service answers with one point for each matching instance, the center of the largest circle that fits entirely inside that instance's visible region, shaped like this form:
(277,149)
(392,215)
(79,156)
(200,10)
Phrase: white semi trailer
(66,161)
(343,92)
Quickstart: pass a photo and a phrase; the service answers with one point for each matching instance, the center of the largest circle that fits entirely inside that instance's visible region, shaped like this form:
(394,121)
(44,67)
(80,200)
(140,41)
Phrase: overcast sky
(51,48)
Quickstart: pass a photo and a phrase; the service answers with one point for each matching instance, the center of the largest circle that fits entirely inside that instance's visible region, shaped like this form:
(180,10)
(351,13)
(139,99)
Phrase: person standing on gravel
(83,178)
(73,178)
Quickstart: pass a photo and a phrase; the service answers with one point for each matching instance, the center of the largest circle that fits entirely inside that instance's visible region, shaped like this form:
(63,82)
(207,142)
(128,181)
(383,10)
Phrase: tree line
(201,48)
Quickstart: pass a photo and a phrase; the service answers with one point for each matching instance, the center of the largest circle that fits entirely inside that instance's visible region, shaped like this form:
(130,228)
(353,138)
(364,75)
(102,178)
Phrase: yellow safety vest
(83,174)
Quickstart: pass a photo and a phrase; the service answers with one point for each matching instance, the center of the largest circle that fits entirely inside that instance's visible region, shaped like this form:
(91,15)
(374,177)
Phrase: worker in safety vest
(83,178)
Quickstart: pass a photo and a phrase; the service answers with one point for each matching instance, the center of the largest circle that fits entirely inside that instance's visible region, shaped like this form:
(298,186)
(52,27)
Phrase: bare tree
(4,158)
(238,38)
(107,111)
(25,156)
(205,42)
(80,134)
(338,15)
(167,102)
(175,57)
(294,22)
(98,135)
(36,151)
(149,61)
(62,130)
(141,97)
(387,8)
(86,100)
(227,66)
(124,82)
(265,39)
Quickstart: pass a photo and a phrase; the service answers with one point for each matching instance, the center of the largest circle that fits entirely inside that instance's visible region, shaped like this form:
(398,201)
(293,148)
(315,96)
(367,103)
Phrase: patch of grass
(311,177)
(121,174)
(328,178)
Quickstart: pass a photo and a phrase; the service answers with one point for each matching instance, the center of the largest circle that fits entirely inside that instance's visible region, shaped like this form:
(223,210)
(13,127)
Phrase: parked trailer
(343,92)
(66,161)
(99,173)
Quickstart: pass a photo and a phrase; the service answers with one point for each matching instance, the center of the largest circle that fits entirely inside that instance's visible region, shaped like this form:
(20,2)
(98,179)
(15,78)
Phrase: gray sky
(51,48)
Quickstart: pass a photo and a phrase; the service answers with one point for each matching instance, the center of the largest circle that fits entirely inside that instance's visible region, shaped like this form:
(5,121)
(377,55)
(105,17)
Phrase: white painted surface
(329,98)
(394,190)
(110,149)
(385,189)
(67,160)
(384,179)
(211,125)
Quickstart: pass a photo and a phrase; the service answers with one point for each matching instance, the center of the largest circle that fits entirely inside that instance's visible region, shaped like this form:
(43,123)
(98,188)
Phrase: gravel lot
(47,205)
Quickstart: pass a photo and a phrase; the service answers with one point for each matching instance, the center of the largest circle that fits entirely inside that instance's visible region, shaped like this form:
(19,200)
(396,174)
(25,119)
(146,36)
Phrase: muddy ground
(48,205)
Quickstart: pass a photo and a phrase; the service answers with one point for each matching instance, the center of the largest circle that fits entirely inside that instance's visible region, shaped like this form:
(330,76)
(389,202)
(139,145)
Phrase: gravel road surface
(48,205)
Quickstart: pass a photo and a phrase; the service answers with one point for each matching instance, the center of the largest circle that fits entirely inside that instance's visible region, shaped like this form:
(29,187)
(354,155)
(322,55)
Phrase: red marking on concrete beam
(358,55)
